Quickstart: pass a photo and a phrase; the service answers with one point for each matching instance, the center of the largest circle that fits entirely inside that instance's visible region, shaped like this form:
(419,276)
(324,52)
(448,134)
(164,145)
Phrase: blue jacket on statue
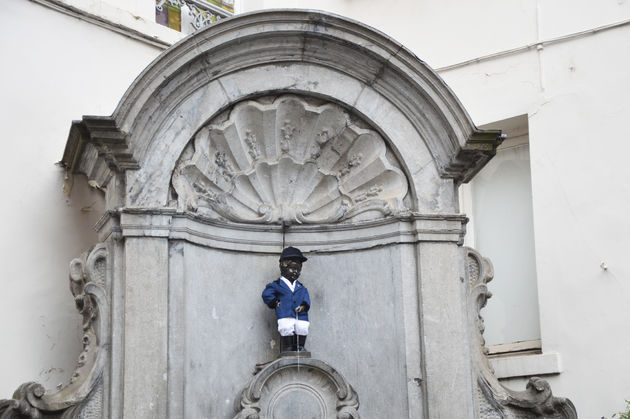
(289,301)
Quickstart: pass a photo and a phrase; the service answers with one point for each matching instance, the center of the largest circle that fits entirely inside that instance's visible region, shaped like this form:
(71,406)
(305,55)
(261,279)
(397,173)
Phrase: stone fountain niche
(283,127)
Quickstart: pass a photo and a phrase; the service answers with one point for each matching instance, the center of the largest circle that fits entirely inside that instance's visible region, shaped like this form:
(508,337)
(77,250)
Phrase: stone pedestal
(295,354)
(298,388)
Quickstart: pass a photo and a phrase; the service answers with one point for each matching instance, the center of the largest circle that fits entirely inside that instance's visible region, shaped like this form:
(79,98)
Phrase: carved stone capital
(479,148)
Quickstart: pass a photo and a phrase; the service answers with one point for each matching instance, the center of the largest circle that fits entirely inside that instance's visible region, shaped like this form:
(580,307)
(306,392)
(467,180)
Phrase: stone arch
(303,52)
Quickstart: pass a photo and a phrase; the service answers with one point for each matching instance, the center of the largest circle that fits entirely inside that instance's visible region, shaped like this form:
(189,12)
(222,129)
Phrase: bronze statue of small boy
(291,301)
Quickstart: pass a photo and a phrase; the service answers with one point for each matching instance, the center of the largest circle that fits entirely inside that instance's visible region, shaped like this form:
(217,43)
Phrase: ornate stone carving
(81,396)
(289,385)
(288,161)
(494,400)
(286,138)
(252,143)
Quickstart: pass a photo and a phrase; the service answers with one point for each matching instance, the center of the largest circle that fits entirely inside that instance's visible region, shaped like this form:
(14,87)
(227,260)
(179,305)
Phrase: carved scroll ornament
(82,396)
(493,399)
(285,160)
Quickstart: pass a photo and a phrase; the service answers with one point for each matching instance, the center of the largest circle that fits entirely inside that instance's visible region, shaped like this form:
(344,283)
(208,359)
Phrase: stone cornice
(177,225)
(474,155)
(96,147)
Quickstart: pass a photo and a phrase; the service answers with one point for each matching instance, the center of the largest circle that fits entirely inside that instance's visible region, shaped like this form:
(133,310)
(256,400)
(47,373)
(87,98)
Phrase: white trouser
(289,326)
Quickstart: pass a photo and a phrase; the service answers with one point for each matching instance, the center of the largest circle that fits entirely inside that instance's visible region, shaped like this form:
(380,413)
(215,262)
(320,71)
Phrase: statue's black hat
(292,253)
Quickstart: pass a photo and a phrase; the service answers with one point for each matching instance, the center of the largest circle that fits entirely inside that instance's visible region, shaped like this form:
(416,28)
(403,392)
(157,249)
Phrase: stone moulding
(195,228)
(493,400)
(332,396)
(83,395)
(287,162)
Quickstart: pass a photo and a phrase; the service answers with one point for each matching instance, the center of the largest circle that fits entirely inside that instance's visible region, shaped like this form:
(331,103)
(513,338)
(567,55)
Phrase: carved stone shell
(288,161)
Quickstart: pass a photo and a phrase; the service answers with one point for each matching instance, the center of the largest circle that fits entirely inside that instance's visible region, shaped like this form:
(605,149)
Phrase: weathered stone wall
(357,325)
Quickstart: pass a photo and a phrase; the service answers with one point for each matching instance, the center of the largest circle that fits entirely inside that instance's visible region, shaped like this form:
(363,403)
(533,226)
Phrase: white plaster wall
(55,68)
(141,8)
(135,17)
(440,32)
(579,144)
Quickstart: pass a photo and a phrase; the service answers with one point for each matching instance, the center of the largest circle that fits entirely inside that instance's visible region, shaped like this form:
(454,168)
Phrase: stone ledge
(527,365)
(266,238)
(116,20)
